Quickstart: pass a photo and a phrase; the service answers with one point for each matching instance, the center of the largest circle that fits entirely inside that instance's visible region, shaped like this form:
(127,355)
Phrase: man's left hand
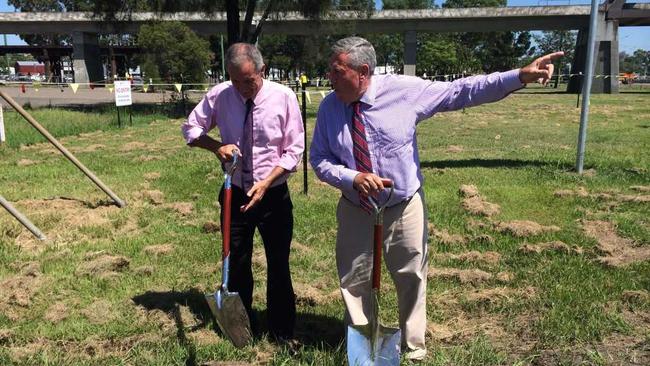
(540,70)
(256,194)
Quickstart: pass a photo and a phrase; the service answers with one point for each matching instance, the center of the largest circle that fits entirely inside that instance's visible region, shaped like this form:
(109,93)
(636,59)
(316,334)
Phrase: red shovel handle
(225,226)
(387,182)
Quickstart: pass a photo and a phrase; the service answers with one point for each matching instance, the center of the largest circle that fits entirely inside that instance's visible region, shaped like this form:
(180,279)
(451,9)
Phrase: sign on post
(123,93)
(2,127)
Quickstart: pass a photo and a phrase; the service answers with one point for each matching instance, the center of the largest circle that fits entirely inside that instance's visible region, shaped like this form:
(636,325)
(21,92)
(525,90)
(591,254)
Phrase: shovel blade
(230,314)
(379,347)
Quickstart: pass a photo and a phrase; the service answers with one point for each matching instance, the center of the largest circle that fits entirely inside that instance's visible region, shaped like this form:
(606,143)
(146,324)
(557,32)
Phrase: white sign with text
(123,93)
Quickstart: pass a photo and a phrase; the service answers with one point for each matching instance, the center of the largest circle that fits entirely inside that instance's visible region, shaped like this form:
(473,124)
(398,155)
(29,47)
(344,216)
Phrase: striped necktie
(247,149)
(360,150)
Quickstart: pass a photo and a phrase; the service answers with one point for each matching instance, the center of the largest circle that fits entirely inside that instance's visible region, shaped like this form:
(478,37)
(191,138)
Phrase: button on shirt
(278,134)
(391,108)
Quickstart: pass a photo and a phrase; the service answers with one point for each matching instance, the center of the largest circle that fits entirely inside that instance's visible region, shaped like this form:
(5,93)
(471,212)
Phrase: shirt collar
(369,96)
(258,96)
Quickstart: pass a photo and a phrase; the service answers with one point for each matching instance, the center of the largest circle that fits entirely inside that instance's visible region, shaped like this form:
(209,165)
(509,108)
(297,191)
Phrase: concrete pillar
(85,57)
(606,66)
(410,50)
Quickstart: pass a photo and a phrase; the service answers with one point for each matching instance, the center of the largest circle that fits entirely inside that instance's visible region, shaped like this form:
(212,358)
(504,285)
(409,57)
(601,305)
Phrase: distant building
(29,68)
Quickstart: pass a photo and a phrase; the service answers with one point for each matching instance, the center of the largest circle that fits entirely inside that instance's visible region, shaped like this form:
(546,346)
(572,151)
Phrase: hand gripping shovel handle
(378,235)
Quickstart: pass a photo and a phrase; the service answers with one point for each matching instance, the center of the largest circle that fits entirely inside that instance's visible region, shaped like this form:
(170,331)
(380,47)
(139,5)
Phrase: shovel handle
(376,256)
(225,225)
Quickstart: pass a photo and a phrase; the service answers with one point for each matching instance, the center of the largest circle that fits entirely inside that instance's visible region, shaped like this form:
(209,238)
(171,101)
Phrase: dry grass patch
(100,312)
(464,276)
(102,266)
(156,250)
(473,257)
(26,162)
(182,208)
(556,245)
(524,228)
(474,203)
(617,251)
(56,313)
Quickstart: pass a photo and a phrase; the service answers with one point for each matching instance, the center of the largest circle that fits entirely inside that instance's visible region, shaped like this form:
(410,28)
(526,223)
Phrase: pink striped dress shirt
(278,134)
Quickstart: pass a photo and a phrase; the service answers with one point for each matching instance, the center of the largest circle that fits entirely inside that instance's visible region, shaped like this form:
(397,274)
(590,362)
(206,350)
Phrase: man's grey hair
(359,52)
(240,53)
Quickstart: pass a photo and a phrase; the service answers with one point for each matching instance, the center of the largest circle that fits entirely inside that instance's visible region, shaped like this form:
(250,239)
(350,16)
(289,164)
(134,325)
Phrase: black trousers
(273,217)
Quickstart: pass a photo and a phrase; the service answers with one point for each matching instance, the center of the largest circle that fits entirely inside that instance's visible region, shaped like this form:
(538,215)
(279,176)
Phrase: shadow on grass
(313,330)
(492,163)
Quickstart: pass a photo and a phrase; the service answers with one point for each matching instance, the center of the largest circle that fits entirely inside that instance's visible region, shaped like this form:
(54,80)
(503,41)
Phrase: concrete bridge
(85,28)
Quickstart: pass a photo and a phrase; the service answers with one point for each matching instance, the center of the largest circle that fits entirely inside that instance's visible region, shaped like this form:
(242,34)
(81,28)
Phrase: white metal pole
(586,85)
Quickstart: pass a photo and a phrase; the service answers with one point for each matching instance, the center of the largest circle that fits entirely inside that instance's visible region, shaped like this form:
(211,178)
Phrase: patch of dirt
(476,224)
(633,198)
(144,158)
(640,188)
(134,145)
(183,208)
(444,237)
(16,292)
(64,216)
(211,227)
(301,247)
(26,162)
(89,148)
(103,266)
(484,238)
(307,295)
(464,276)
(154,197)
(505,277)
(56,313)
(617,251)
(144,270)
(156,250)
(152,176)
(100,312)
(499,294)
(455,149)
(475,204)
(524,228)
(474,256)
(204,337)
(468,190)
(636,296)
(6,335)
(259,259)
(188,319)
(555,245)
(580,192)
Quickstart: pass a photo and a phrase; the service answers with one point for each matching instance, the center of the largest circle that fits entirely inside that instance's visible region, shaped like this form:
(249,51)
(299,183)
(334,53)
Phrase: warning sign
(123,93)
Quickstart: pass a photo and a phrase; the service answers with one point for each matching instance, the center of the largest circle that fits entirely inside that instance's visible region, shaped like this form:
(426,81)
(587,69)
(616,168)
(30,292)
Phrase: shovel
(373,343)
(227,307)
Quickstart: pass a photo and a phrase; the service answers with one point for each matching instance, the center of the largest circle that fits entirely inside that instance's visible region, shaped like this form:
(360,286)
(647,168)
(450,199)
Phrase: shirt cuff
(193,134)
(511,80)
(347,179)
(288,163)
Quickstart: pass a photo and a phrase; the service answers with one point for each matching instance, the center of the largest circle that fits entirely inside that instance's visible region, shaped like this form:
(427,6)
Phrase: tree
(173,52)
(638,62)
(491,51)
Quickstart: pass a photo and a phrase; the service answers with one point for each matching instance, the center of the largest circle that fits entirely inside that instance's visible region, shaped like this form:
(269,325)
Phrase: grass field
(557,273)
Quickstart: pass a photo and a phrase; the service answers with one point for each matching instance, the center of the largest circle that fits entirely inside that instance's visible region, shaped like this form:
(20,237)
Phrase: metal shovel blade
(231,316)
(368,347)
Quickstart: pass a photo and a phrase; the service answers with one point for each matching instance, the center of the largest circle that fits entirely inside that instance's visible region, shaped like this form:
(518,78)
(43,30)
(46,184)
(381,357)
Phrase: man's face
(245,79)
(346,81)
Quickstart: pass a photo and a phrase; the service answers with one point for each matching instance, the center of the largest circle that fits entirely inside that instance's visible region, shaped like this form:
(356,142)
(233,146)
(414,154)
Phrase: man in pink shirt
(262,120)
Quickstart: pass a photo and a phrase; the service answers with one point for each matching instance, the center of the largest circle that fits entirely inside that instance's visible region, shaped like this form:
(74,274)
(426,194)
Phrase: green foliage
(638,62)
(173,52)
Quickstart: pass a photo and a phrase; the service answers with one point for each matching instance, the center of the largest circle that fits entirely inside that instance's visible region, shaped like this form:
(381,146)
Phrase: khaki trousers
(405,255)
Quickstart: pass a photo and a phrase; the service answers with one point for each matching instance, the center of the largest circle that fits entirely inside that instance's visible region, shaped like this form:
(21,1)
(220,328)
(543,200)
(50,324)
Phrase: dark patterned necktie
(247,149)
(360,150)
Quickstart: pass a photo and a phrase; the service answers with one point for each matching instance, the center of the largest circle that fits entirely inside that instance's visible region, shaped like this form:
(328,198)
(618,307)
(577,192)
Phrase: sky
(630,38)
